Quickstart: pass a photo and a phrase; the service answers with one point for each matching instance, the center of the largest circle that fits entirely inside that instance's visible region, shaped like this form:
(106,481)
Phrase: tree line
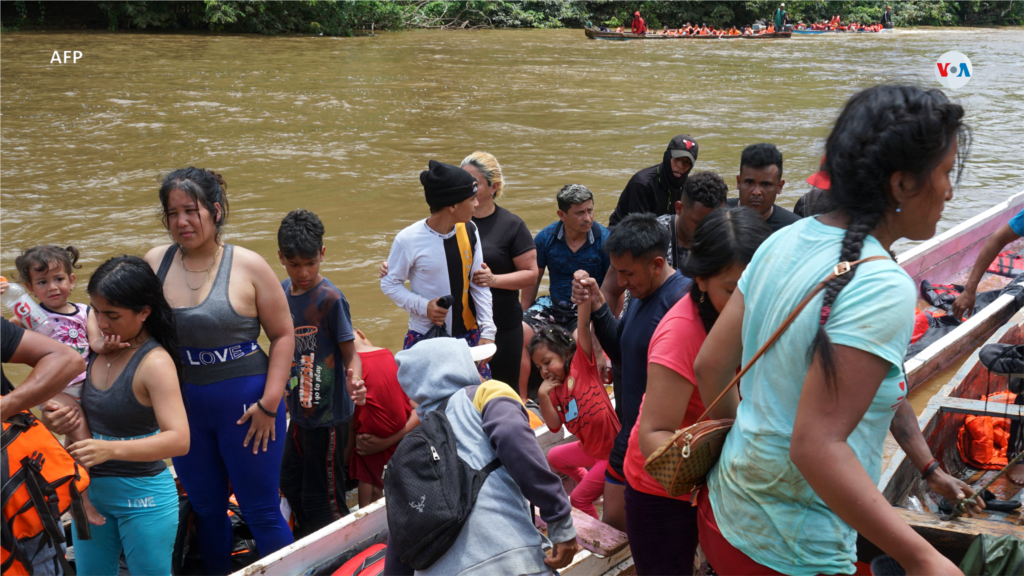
(340,17)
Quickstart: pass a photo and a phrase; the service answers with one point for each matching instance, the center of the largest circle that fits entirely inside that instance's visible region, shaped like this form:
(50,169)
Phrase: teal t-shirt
(762,503)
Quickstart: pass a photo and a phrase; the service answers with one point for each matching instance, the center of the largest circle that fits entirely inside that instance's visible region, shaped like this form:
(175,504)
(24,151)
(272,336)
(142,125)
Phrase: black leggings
(662,533)
(505,364)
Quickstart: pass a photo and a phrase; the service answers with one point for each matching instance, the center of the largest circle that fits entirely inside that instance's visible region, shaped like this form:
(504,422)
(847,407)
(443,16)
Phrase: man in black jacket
(657,189)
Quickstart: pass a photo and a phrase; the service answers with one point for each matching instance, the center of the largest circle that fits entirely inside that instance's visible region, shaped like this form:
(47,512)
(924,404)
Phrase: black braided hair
(881,130)
(558,340)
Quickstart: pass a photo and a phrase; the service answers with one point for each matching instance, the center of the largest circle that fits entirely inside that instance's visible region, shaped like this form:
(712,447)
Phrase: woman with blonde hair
(510,263)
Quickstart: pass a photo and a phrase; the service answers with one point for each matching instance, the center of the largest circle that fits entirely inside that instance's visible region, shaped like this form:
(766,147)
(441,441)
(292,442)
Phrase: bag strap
(838,270)
(45,517)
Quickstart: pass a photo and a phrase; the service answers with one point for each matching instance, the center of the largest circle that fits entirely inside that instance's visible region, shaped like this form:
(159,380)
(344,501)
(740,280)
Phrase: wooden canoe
(941,421)
(948,259)
(604,550)
(595,34)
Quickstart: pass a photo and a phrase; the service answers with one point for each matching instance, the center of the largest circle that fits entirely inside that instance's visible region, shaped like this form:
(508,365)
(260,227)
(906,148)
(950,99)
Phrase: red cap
(820,178)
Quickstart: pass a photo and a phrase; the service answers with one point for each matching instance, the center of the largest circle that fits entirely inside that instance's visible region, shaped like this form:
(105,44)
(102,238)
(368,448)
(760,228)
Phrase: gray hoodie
(489,421)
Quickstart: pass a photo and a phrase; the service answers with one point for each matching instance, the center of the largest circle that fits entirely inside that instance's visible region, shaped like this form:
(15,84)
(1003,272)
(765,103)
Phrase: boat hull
(598,35)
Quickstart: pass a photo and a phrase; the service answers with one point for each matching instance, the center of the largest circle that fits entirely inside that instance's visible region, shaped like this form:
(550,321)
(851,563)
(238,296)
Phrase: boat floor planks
(594,535)
(948,259)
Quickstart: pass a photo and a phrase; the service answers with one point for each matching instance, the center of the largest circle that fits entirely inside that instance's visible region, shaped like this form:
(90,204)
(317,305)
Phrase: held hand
(483,277)
(112,343)
(356,388)
(596,296)
(562,554)
(92,452)
(62,419)
(383,269)
(436,314)
(580,292)
(963,304)
(954,490)
(367,444)
(261,430)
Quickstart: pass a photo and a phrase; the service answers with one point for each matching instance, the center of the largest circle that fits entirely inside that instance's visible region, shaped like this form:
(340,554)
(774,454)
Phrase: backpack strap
(493,464)
(45,516)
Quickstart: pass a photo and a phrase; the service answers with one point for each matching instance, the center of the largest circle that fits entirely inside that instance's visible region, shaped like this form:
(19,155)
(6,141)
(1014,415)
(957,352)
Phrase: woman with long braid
(797,477)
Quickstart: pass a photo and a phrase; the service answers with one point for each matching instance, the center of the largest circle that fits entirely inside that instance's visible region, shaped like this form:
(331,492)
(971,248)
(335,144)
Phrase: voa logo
(953,70)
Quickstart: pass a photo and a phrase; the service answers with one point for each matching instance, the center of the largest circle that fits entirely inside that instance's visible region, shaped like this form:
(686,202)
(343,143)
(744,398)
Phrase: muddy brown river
(342,126)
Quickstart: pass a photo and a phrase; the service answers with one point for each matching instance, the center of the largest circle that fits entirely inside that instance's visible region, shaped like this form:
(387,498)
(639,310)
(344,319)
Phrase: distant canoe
(598,35)
(809,31)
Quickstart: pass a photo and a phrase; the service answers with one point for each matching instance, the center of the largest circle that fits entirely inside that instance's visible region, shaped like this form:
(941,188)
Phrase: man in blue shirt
(575,242)
(639,248)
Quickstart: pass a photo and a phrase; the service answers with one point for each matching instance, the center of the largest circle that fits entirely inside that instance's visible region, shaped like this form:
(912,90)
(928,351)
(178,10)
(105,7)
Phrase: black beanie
(446,185)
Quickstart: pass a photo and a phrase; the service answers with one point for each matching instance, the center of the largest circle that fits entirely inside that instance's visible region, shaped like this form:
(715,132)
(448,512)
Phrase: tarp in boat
(991,555)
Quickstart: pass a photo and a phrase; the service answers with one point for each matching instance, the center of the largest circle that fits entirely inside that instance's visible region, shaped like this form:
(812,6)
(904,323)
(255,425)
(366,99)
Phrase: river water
(342,126)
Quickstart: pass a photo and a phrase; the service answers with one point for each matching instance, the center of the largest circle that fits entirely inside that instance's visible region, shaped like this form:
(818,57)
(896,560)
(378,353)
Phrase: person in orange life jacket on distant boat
(760,182)
(639,26)
(439,256)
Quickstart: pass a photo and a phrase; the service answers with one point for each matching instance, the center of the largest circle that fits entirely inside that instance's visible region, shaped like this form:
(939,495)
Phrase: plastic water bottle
(26,309)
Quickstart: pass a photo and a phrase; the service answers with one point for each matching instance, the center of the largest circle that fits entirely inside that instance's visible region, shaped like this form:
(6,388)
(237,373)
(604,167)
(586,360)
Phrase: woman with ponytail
(797,478)
(132,400)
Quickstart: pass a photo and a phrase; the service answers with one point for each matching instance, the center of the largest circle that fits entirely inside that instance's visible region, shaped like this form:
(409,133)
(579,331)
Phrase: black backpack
(429,491)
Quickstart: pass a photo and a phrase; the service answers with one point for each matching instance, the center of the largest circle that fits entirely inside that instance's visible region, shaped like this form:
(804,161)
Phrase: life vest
(40,482)
(1009,264)
(369,562)
(983,439)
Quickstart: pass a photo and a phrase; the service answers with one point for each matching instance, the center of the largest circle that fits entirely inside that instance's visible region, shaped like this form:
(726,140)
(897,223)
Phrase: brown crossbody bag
(684,460)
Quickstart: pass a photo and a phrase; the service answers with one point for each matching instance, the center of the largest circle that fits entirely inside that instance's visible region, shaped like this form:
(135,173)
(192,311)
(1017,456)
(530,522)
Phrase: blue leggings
(142,519)
(217,464)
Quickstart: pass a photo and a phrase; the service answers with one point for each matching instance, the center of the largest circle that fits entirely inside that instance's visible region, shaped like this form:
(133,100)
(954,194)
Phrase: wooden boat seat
(594,535)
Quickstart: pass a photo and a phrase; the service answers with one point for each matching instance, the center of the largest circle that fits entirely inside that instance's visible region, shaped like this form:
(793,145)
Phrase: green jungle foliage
(339,17)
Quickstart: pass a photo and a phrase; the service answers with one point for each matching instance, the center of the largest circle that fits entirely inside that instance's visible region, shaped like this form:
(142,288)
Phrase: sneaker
(1003,359)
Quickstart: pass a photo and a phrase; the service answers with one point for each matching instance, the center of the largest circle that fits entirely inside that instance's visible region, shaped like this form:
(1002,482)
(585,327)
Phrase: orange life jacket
(983,440)
(40,482)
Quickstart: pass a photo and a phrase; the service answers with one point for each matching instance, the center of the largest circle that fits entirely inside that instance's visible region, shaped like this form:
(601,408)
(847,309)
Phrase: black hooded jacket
(652,190)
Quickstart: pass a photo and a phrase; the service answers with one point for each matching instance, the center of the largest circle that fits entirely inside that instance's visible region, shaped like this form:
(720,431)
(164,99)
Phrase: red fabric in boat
(983,440)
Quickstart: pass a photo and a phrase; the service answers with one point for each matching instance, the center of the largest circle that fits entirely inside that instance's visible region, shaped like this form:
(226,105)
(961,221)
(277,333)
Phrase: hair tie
(825,311)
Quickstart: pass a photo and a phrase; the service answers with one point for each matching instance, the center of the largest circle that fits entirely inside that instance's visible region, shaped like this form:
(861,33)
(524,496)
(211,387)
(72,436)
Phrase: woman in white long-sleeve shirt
(438,256)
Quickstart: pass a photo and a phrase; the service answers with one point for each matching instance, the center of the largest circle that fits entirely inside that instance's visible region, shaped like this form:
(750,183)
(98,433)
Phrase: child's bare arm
(547,409)
(354,370)
(583,321)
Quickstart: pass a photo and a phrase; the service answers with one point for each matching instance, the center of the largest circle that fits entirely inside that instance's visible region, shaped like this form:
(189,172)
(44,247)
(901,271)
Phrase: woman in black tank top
(132,400)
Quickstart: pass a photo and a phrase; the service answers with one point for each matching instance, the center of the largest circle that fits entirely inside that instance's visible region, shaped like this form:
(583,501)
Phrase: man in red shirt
(639,26)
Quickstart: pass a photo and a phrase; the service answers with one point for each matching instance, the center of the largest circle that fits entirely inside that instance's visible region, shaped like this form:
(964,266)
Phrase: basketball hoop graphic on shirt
(305,345)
